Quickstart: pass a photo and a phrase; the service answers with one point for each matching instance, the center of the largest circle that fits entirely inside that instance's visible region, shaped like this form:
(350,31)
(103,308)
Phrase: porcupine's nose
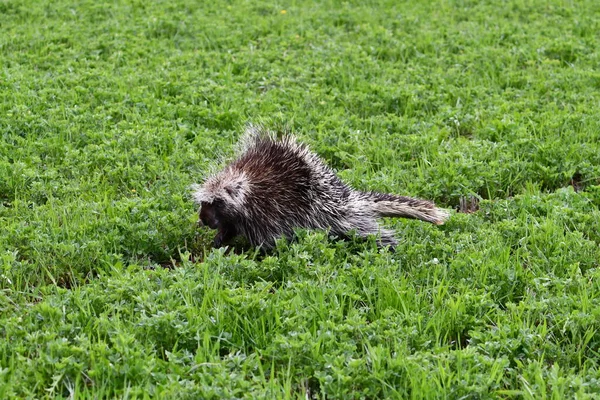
(207,221)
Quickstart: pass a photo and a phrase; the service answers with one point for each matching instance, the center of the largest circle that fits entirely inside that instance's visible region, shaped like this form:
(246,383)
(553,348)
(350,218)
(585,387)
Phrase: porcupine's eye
(208,215)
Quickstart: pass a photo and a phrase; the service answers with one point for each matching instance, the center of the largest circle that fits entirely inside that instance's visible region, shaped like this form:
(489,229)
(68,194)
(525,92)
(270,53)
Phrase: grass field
(110,110)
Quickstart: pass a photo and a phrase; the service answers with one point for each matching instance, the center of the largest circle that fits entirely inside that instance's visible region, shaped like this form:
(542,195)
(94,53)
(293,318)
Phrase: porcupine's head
(221,198)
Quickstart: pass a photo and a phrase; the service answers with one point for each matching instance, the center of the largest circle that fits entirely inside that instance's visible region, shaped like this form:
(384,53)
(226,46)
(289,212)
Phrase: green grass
(109,111)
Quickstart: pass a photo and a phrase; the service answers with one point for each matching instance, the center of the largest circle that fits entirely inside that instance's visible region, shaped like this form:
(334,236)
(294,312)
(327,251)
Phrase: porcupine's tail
(390,205)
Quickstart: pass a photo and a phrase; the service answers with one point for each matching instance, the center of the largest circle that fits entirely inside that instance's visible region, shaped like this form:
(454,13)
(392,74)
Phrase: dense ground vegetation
(110,110)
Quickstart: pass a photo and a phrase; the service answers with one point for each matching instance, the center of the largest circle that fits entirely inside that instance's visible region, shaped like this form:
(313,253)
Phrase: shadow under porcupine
(277,185)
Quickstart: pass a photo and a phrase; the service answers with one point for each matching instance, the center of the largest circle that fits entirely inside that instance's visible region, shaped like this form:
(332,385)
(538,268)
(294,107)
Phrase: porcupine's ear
(234,191)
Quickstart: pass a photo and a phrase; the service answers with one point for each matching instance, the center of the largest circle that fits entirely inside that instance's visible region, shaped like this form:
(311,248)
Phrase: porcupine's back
(288,187)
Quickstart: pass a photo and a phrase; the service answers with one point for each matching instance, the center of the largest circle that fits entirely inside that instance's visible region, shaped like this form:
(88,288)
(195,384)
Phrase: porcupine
(277,185)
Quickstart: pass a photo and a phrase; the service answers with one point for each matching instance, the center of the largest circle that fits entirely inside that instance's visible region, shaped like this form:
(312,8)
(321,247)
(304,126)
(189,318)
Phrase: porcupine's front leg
(225,234)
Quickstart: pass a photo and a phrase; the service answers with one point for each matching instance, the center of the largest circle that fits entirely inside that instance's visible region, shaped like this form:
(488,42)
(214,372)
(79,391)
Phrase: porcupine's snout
(208,216)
